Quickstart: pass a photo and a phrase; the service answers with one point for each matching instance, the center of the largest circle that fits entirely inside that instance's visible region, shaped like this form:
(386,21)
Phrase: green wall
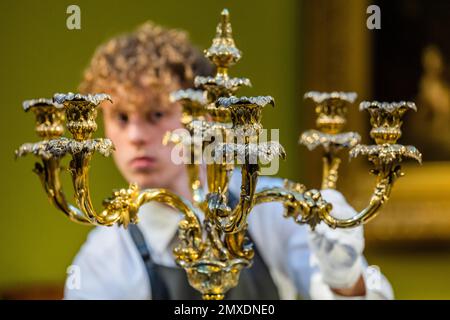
(40,56)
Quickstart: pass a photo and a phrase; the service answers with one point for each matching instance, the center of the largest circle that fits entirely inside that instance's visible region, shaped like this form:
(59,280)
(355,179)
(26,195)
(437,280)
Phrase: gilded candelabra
(212,245)
(386,155)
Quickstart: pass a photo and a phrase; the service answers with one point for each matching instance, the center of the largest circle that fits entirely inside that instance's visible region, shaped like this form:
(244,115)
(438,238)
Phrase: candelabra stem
(49,176)
(218,177)
(194,182)
(330,171)
(79,167)
(238,219)
(236,244)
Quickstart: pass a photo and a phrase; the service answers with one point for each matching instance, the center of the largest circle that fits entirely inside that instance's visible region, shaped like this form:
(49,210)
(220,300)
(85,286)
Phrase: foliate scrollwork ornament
(314,138)
(220,84)
(58,148)
(302,205)
(38,149)
(386,153)
(263,152)
(123,203)
(311,209)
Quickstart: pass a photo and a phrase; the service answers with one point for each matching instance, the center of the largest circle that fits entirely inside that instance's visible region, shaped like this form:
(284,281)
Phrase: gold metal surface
(331,109)
(212,245)
(386,156)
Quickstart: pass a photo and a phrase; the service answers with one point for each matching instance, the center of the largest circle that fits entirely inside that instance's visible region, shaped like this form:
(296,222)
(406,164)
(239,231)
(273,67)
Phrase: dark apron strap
(259,272)
(158,287)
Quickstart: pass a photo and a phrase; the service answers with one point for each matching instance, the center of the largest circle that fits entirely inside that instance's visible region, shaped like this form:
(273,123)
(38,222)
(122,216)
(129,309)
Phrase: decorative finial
(223,52)
(225,32)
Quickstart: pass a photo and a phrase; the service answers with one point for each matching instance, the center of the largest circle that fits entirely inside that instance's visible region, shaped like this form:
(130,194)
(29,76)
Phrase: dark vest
(255,283)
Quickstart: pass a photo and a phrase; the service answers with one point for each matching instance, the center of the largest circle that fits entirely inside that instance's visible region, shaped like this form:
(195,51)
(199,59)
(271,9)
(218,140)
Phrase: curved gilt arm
(331,144)
(218,174)
(81,112)
(191,150)
(379,197)
(49,126)
(79,168)
(48,172)
(190,228)
(50,152)
(305,207)
(49,176)
(386,158)
(309,207)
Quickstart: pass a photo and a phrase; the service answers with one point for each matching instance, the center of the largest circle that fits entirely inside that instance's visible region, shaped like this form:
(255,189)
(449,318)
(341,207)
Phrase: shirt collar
(159,224)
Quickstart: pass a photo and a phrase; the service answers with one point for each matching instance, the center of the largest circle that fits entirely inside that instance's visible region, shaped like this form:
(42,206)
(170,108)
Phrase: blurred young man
(139,70)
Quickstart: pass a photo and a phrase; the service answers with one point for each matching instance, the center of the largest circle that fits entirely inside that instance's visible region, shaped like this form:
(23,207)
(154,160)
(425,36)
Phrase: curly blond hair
(149,56)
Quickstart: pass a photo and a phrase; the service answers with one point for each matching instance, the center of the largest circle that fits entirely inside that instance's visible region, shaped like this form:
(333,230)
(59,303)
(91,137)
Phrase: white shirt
(109,266)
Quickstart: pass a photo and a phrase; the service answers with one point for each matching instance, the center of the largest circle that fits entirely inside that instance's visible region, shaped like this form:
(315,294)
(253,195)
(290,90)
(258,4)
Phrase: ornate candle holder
(385,155)
(212,245)
(331,109)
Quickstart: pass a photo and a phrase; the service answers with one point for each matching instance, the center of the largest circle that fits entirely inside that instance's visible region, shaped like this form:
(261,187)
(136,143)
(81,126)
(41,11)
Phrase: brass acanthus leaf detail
(313,138)
(58,148)
(387,106)
(387,152)
(91,98)
(28,104)
(37,149)
(123,202)
(264,151)
(198,96)
(319,97)
(218,80)
(260,101)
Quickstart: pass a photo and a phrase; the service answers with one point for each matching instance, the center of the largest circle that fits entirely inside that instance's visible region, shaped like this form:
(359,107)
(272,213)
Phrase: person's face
(136,124)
